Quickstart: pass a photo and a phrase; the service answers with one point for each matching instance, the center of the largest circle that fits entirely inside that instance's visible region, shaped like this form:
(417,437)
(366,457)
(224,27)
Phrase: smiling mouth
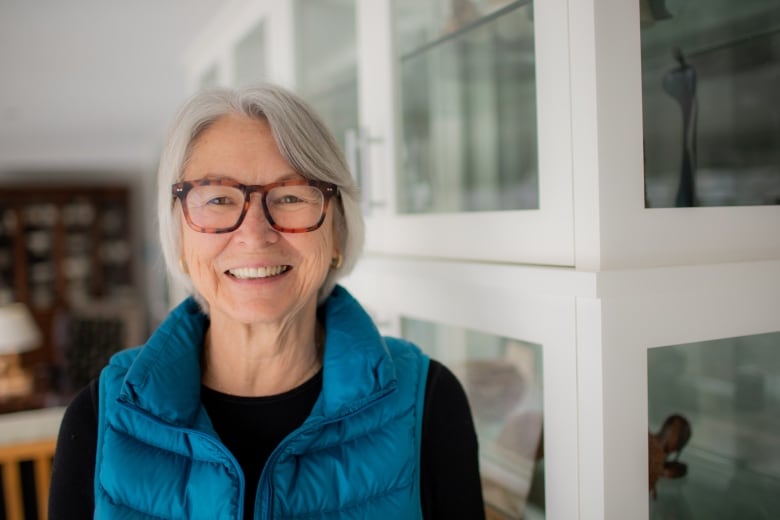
(253,273)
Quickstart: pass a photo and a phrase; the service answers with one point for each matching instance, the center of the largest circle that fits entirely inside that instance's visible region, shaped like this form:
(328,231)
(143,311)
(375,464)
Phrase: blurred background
(88,91)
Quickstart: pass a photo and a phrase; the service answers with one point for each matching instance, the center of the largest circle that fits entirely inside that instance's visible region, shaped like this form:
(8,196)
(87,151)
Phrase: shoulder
(447,416)
(112,375)
(124,358)
(399,347)
(81,414)
(450,485)
(407,356)
(119,364)
(444,394)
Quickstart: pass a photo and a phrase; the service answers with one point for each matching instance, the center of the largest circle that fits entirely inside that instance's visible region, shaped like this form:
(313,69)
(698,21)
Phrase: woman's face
(254,274)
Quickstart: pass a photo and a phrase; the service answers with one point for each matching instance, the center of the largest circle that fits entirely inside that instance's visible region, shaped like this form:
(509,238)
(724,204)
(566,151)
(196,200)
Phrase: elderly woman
(268,393)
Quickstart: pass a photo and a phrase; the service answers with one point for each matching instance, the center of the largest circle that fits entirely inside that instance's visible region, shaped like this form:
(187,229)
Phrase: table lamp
(18,333)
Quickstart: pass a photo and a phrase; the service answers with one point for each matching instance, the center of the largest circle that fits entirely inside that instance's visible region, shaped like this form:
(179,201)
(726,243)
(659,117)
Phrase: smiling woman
(268,393)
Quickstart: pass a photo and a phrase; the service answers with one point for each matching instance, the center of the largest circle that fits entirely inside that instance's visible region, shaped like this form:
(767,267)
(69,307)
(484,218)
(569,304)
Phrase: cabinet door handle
(358,152)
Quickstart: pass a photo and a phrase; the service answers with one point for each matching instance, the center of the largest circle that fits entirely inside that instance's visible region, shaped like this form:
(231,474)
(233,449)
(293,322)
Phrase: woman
(269,393)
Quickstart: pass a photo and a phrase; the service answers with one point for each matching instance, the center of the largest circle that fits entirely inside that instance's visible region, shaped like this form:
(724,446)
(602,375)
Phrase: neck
(259,361)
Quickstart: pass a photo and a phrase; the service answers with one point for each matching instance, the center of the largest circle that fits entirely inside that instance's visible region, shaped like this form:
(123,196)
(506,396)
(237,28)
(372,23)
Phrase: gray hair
(303,140)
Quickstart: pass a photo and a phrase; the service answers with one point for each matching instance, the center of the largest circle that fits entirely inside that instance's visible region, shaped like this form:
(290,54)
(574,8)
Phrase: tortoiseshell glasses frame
(310,214)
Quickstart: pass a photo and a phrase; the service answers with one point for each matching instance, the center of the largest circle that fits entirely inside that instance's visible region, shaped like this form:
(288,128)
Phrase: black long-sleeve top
(251,427)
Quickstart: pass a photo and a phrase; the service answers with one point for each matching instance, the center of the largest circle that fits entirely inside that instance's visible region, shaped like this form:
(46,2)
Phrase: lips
(254,273)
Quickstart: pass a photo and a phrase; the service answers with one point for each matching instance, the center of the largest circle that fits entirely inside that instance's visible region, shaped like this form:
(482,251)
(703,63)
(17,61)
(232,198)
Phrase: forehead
(237,147)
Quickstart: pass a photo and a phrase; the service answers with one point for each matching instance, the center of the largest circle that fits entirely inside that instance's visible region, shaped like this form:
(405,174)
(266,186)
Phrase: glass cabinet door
(471,142)
(502,378)
(710,76)
(715,442)
(468,107)
(326,62)
(511,343)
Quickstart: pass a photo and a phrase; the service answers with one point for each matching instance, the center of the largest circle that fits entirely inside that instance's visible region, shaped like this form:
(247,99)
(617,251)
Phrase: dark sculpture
(680,83)
(664,449)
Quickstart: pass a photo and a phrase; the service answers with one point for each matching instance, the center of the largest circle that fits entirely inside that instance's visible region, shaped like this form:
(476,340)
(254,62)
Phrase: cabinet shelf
(69,246)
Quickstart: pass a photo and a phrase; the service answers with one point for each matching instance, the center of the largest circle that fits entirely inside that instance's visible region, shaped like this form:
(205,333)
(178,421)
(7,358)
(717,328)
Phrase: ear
(336,238)
(336,257)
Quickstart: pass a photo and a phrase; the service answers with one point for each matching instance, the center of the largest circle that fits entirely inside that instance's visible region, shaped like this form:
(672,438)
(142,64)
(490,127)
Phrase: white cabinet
(700,341)
(620,351)
(501,149)
(461,136)
(510,334)
(613,227)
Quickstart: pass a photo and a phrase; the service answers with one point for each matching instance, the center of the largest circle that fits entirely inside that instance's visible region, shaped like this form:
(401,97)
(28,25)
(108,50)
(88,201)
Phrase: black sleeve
(71,495)
(450,484)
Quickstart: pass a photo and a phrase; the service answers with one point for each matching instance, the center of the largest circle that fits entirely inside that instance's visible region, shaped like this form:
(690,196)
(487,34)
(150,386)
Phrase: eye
(288,199)
(215,196)
(222,200)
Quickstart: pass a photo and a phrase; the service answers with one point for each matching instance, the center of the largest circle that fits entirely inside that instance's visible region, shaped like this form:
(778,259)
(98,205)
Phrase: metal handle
(358,152)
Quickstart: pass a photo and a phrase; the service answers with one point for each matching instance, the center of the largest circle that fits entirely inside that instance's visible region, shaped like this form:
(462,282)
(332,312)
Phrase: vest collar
(357,367)
(165,377)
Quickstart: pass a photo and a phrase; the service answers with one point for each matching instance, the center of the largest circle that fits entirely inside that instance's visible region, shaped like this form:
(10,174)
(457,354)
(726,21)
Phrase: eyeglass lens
(220,207)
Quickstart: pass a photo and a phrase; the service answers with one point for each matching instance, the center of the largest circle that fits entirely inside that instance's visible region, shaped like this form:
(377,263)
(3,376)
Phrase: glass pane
(710,76)
(724,400)
(250,57)
(326,61)
(468,96)
(503,381)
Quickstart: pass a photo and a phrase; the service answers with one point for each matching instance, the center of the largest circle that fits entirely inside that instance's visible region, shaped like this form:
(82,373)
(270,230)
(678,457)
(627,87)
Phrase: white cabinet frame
(530,304)
(543,236)
(636,311)
(613,229)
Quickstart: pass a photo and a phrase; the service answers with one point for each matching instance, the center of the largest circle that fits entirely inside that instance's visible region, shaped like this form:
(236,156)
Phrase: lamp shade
(18,330)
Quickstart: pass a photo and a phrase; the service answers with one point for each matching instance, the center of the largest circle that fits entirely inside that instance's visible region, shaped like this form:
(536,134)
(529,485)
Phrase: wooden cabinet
(63,248)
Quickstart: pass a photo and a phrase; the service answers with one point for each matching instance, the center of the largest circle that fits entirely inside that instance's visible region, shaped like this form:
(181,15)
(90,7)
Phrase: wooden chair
(29,435)
(40,453)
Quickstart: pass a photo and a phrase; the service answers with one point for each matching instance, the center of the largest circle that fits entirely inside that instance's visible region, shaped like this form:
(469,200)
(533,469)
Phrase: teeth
(246,273)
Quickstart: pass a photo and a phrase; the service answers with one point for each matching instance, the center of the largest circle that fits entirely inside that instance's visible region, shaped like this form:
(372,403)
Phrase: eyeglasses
(220,205)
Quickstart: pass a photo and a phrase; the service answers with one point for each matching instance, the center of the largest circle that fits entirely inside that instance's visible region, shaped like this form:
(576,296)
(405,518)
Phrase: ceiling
(92,84)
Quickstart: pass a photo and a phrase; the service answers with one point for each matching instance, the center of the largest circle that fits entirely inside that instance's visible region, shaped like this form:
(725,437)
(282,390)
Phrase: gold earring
(336,261)
(183,266)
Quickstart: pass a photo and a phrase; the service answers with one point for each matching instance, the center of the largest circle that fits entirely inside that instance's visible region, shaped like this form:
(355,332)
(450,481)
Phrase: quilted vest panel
(356,457)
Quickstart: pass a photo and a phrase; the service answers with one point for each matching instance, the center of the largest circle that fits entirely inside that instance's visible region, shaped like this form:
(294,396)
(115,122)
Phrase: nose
(256,224)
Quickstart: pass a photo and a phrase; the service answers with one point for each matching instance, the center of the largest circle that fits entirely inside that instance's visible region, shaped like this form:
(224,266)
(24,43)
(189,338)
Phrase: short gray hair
(303,140)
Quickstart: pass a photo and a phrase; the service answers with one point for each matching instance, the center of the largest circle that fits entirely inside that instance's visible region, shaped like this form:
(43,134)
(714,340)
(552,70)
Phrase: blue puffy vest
(355,457)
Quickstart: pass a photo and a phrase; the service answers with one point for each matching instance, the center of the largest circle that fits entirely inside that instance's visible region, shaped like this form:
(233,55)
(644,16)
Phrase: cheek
(199,249)
(319,254)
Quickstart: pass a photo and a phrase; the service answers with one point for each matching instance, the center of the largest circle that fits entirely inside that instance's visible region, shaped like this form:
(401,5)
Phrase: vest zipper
(265,481)
(221,447)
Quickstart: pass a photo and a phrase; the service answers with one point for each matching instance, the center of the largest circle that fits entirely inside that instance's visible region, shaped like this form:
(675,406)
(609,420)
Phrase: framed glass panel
(714,418)
(710,76)
(326,61)
(250,60)
(468,115)
(503,381)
